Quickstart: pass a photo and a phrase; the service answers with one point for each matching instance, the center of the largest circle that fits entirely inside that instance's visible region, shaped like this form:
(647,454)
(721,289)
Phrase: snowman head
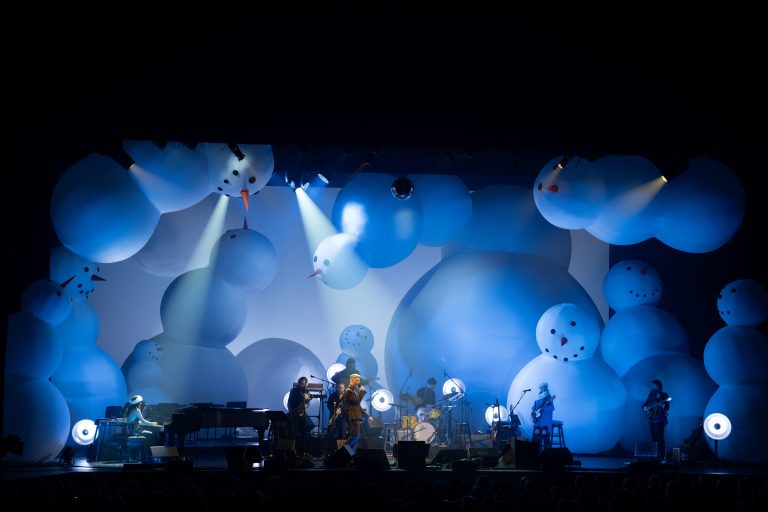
(336,262)
(631,283)
(568,333)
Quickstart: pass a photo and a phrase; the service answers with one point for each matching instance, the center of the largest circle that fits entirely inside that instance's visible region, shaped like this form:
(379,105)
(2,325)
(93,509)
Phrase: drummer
(427,393)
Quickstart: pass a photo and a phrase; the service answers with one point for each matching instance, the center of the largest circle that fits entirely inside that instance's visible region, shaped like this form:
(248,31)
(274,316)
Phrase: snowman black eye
(314,259)
(580,348)
(252,179)
(540,186)
(80,285)
(85,269)
(232,236)
(551,331)
(573,324)
(546,350)
(326,262)
(565,359)
(219,189)
(226,181)
(236,172)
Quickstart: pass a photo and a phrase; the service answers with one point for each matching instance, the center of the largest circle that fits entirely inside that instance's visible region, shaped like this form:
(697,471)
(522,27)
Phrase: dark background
(664,87)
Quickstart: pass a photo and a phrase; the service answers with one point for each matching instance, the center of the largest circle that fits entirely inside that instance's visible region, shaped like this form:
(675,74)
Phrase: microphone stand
(323,402)
(408,437)
(450,411)
(512,410)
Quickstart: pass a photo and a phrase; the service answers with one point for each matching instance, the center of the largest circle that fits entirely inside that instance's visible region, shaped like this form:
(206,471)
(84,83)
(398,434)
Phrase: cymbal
(449,395)
(397,405)
(414,399)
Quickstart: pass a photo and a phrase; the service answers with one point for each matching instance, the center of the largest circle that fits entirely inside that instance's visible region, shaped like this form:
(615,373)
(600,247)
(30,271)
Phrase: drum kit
(431,423)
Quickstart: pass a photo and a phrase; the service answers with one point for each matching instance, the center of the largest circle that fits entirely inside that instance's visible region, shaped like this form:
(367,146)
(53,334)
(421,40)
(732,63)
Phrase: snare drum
(434,413)
(408,422)
(424,431)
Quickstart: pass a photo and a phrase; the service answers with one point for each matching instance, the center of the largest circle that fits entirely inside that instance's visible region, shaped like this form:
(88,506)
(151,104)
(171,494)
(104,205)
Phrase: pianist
(138,425)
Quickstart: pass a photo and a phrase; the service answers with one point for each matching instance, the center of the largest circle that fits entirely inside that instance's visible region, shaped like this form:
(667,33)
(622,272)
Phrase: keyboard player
(138,425)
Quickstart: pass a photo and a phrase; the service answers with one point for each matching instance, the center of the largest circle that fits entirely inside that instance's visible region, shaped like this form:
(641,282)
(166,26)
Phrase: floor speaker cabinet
(448,455)
(338,459)
(647,451)
(371,443)
(489,456)
(556,458)
(242,458)
(411,455)
(520,455)
(370,458)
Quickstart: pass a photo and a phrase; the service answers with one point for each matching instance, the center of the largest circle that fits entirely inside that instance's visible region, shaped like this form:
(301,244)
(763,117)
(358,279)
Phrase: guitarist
(541,412)
(655,408)
(337,424)
(300,424)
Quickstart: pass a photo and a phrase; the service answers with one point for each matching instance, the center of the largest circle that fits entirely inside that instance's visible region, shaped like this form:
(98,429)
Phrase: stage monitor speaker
(366,458)
(556,458)
(371,443)
(489,456)
(448,455)
(523,454)
(646,451)
(338,459)
(411,454)
(242,458)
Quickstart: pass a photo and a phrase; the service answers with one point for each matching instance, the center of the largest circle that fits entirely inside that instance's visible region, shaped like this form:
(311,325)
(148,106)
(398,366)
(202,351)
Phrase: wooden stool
(557,438)
(135,447)
(541,434)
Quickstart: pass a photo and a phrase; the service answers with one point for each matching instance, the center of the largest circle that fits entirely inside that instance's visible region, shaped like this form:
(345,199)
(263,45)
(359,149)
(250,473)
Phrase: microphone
(313,377)
(526,390)
(444,374)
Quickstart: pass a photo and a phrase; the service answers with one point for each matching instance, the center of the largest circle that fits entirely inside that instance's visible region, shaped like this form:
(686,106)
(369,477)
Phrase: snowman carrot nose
(315,273)
(95,277)
(244,194)
(65,283)
(552,188)
(563,341)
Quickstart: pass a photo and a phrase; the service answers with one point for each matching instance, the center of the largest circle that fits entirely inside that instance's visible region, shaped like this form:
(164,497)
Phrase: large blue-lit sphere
(633,334)
(366,364)
(632,283)
(199,308)
(90,380)
(356,340)
(741,405)
(78,275)
(569,197)
(505,219)
(686,382)
(142,374)
(272,366)
(176,245)
(702,208)
(445,206)
(387,229)
(173,177)
(245,259)
(81,328)
(35,410)
(337,262)
(567,332)
(99,212)
(33,349)
(194,373)
(743,302)
(46,300)
(587,393)
(148,350)
(474,315)
(737,355)
(230,176)
(630,212)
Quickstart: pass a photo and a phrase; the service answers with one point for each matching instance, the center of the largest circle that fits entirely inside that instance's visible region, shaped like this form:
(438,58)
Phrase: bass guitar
(651,410)
(537,412)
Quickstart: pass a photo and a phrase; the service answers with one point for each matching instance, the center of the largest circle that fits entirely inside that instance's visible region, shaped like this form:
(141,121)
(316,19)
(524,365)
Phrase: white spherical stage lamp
(717,427)
(382,399)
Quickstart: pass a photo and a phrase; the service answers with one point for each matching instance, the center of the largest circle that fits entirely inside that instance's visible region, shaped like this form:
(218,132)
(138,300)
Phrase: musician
(542,411)
(656,407)
(427,393)
(346,373)
(337,423)
(138,425)
(299,422)
(352,398)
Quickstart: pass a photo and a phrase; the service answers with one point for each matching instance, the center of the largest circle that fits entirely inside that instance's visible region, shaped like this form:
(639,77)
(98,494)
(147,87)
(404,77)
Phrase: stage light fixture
(84,432)
(402,188)
(494,414)
(323,178)
(382,399)
(334,369)
(124,159)
(237,152)
(454,389)
(717,426)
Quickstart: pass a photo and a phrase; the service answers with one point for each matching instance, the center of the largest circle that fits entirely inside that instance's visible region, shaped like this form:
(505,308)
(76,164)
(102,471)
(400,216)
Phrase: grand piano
(193,418)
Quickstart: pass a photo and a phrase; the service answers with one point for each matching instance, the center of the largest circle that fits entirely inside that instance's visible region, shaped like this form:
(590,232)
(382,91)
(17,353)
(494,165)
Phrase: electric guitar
(332,421)
(651,410)
(536,413)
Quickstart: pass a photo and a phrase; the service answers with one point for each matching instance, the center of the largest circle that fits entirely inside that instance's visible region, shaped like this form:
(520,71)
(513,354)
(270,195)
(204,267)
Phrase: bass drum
(424,431)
